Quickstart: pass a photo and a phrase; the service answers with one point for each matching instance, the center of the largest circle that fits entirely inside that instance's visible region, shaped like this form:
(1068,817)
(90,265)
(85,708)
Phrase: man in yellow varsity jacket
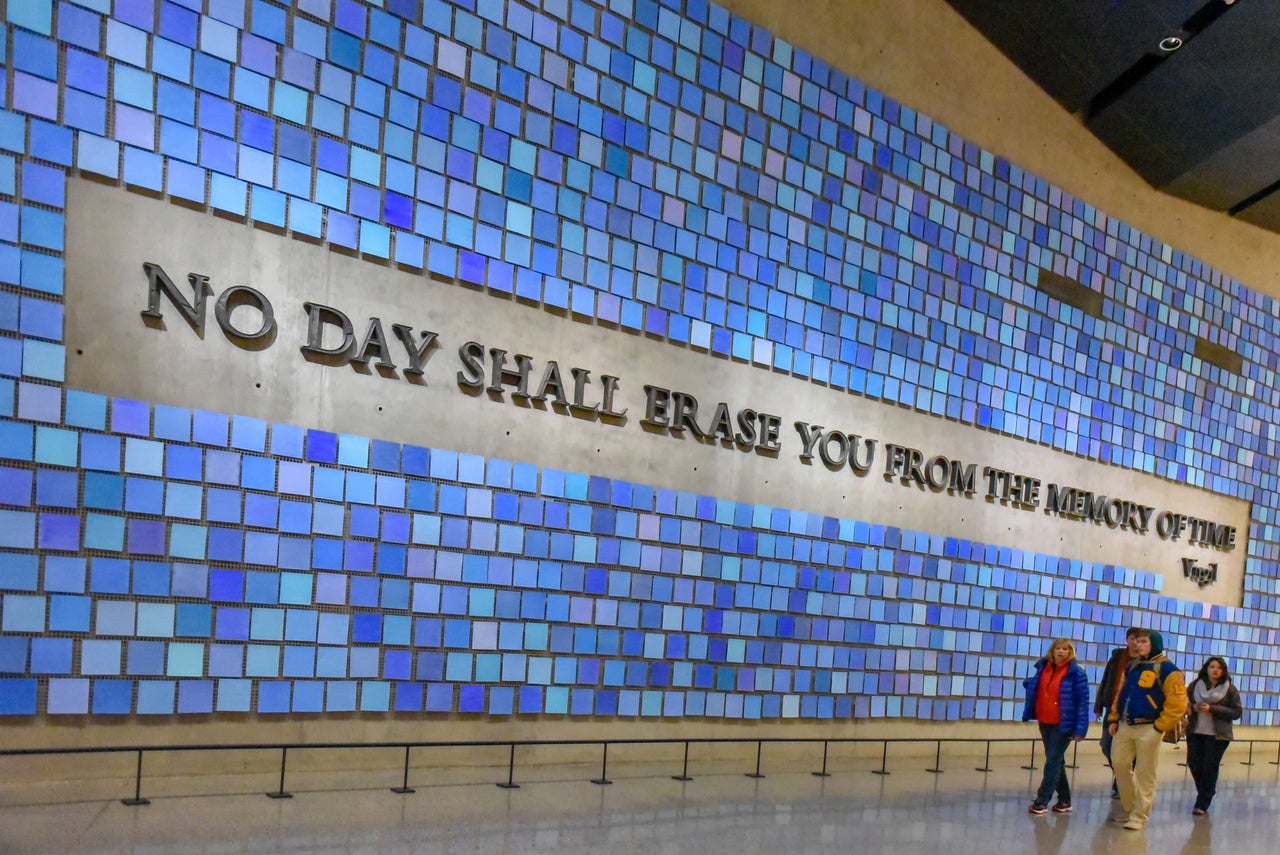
(1152,698)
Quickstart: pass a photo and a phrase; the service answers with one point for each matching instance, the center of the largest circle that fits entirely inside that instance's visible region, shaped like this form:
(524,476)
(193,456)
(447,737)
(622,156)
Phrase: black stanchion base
(280,795)
(1246,764)
(135,802)
(820,774)
(681,778)
(509,786)
(936,771)
(601,781)
(403,790)
(983,769)
(880,772)
(754,775)
(1030,768)
(1071,767)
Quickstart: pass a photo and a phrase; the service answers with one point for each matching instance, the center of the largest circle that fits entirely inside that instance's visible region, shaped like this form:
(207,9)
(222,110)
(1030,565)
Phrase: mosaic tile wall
(664,167)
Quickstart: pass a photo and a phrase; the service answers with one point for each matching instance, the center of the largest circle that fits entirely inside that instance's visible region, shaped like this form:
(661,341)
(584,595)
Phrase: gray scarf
(1203,693)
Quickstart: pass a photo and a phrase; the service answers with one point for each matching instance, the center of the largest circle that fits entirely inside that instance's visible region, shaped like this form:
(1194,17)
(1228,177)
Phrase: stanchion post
(884,761)
(1032,767)
(937,760)
(404,787)
(684,774)
(756,773)
(280,793)
(1276,762)
(137,800)
(823,773)
(1249,762)
(604,767)
(986,762)
(1075,750)
(511,771)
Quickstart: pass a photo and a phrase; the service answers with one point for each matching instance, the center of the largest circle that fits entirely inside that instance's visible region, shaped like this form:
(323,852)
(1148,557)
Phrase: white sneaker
(1134,824)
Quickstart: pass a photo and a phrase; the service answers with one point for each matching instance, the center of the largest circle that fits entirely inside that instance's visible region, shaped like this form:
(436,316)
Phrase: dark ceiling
(1200,121)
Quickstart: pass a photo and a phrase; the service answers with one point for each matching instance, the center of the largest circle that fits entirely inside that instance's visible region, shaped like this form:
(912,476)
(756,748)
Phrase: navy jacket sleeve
(1079,701)
(1029,684)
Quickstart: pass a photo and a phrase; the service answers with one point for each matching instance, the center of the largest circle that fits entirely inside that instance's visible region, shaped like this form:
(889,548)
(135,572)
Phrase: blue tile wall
(659,165)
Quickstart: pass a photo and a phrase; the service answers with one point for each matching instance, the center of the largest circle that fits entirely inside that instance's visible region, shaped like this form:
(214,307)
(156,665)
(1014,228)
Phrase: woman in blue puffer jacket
(1058,698)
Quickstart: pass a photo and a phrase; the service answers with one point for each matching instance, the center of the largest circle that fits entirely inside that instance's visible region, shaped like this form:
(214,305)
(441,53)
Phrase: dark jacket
(1110,678)
(1073,698)
(1223,713)
(1154,691)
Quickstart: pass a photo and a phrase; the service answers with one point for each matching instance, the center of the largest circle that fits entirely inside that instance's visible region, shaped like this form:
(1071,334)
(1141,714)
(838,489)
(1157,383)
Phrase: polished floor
(957,812)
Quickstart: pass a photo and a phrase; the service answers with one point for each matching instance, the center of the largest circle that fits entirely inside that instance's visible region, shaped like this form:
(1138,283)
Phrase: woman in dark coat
(1213,703)
(1057,698)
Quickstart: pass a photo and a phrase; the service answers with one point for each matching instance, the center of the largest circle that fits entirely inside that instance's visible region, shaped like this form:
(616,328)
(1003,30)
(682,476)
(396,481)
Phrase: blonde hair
(1065,642)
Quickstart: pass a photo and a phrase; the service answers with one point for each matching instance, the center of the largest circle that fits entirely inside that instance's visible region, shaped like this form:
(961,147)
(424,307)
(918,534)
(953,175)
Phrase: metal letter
(657,407)
(318,317)
(746,436)
(551,383)
(722,424)
(242,295)
(472,374)
(869,446)
(580,378)
(609,385)
(158,280)
(770,427)
(809,434)
(417,352)
(963,478)
(375,343)
(686,407)
(836,461)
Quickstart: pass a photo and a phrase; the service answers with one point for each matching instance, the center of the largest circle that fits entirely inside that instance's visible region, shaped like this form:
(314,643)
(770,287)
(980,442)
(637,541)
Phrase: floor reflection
(957,813)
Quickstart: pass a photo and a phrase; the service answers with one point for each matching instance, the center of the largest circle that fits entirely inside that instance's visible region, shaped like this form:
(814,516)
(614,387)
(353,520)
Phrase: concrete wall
(978,584)
(925,55)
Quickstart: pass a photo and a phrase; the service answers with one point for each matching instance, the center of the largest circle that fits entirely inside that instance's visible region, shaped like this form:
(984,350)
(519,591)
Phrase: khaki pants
(1136,780)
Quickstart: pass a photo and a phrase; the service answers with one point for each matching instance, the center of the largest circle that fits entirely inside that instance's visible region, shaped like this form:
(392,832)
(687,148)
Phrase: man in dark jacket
(1151,700)
(1106,699)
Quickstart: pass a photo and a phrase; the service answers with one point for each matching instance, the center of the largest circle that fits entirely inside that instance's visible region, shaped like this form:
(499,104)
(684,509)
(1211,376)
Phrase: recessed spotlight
(1169,44)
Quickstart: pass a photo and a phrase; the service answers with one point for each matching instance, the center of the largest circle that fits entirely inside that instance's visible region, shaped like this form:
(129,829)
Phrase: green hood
(1157,645)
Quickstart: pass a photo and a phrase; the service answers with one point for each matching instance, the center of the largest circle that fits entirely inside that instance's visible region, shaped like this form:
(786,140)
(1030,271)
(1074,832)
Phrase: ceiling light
(1169,44)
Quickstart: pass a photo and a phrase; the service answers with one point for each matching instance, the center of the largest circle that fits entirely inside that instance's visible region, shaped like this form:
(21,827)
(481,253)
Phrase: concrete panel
(112,233)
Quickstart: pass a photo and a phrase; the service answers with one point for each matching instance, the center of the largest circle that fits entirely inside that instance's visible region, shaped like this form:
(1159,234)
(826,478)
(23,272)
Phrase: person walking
(1215,703)
(1057,698)
(1109,688)
(1152,697)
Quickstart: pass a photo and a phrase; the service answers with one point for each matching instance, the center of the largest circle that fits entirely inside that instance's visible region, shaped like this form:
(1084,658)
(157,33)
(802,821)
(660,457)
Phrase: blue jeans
(1105,744)
(1055,764)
